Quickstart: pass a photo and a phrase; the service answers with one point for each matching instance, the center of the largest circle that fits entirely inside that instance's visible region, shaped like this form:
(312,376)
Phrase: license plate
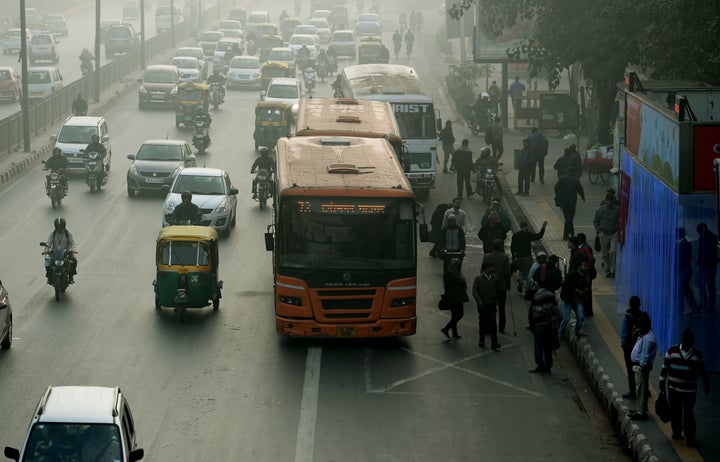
(154,180)
(158,96)
(76,161)
(346,332)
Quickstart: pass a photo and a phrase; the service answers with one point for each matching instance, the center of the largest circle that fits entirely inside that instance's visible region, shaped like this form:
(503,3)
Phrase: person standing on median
(501,262)
(485,292)
(463,163)
(682,365)
(606,226)
(643,356)
(447,138)
(567,190)
(629,333)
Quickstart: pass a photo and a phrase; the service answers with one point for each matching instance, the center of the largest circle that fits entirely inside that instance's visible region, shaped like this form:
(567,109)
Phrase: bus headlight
(402,301)
(295,301)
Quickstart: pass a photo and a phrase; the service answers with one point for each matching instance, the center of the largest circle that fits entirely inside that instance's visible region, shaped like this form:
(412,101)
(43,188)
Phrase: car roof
(164,142)
(83,121)
(161,67)
(79,404)
(285,81)
(231,39)
(281,49)
(184,57)
(189,48)
(201,171)
(246,57)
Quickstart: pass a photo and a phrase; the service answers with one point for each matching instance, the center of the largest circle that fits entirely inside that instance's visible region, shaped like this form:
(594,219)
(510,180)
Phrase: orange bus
(344,242)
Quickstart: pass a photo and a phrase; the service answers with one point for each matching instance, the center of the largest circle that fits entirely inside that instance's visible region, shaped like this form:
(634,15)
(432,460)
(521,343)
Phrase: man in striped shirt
(679,372)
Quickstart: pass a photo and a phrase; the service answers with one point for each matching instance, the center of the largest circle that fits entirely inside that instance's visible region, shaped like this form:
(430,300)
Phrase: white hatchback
(283,89)
(312,43)
(188,67)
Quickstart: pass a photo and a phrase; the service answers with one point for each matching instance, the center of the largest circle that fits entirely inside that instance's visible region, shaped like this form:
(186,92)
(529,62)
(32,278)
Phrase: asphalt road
(224,386)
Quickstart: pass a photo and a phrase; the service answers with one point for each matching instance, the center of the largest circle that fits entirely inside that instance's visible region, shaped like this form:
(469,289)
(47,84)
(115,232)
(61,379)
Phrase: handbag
(662,407)
(443,304)
(597,245)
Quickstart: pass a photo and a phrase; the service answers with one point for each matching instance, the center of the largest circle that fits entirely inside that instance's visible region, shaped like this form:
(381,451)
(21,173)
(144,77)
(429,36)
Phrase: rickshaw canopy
(193,93)
(272,112)
(181,232)
(265,30)
(272,69)
(269,42)
(287,27)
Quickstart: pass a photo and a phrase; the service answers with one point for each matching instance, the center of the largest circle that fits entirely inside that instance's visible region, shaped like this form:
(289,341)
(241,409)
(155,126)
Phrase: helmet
(60,224)
(57,151)
(95,139)
(264,151)
(485,152)
(186,195)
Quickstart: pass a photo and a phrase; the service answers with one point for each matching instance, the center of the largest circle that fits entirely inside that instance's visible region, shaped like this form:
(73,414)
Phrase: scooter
(95,171)
(57,268)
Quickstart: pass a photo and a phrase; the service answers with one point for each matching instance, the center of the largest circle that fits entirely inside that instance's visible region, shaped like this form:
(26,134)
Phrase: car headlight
(132,171)
(142,89)
(222,207)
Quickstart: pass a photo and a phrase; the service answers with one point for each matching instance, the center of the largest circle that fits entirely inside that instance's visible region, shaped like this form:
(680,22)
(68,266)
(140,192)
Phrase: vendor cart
(598,169)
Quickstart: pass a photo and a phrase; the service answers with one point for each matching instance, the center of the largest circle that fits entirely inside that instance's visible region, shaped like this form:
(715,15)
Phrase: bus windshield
(346,233)
(417,125)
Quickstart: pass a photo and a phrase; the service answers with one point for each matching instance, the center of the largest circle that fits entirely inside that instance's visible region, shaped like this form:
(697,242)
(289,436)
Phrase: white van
(43,81)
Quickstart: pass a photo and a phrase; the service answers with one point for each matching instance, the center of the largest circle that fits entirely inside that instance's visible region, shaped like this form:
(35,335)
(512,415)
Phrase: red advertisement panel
(633,124)
(706,148)
(624,199)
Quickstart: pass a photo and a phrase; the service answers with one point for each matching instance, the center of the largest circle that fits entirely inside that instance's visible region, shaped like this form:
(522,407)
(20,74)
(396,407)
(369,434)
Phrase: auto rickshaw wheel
(157,303)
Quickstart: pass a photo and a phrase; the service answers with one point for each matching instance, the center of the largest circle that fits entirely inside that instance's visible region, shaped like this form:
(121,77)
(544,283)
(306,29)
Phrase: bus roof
(384,79)
(346,117)
(339,166)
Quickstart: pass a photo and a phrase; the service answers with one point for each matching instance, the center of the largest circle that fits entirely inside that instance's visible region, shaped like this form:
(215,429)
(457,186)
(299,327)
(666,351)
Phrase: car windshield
(118,33)
(230,25)
(224,46)
(346,37)
(73,441)
(320,23)
(285,55)
(159,152)
(305,30)
(184,253)
(367,18)
(41,40)
(185,63)
(210,37)
(298,40)
(257,18)
(192,53)
(74,134)
(39,77)
(245,63)
(199,184)
(282,91)
(159,77)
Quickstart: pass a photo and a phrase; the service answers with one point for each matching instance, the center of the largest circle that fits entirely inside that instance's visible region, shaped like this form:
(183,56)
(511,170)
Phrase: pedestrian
(455,295)
(521,251)
(494,92)
(707,263)
(606,226)
(452,243)
(544,313)
(447,138)
(575,161)
(587,253)
(463,163)
(629,333)
(460,215)
(538,145)
(485,292)
(682,365)
(494,137)
(549,276)
(437,222)
(539,265)
(525,164)
(571,295)
(643,356)
(495,207)
(686,296)
(570,159)
(501,262)
(516,89)
(567,190)
(491,231)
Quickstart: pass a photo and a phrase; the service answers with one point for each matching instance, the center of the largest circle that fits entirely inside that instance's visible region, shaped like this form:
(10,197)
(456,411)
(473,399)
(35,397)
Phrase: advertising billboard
(706,148)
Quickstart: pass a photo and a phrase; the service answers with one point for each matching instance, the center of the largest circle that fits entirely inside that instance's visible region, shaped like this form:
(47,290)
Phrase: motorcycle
(95,171)
(309,78)
(201,137)
(322,70)
(86,67)
(486,185)
(57,268)
(216,94)
(55,187)
(264,186)
(480,122)
(338,92)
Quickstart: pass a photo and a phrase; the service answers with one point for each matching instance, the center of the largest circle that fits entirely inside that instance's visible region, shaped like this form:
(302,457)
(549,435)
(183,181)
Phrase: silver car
(244,71)
(156,164)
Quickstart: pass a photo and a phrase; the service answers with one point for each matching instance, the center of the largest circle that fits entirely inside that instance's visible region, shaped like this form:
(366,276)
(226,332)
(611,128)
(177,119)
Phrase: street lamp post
(24,70)
(172,23)
(97,51)
(142,34)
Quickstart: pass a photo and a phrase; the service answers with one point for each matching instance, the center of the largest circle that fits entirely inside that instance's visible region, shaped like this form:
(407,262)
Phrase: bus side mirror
(269,242)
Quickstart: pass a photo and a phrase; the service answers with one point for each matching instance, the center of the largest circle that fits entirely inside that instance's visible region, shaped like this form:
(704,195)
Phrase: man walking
(543,314)
(538,144)
(587,252)
(491,231)
(460,216)
(682,365)
(485,291)
(500,261)
(525,164)
(494,137)
(463,163)
(494,92)
(643,356)
(447,138)
(516,89)
(567,189)
(520,249)
(606,227)
(628,337)
(707,263)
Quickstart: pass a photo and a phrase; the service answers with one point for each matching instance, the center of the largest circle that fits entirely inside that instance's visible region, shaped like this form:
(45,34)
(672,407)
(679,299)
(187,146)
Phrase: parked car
(208,41)
(158,85)
(74,420)
(157,163)
(120,38)
(195,52)
(213,193)
(11,40)
(75,134)
(342,43)
(323,29)
(9,83)
(283,55)
(43,48)
(244,71)
(368,24)
(310,41)
(43,82)
(6,319)
(231,28)
(188,67)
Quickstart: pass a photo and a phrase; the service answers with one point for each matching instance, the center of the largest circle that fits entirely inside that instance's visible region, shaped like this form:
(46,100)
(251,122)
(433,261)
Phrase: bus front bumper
(380,328)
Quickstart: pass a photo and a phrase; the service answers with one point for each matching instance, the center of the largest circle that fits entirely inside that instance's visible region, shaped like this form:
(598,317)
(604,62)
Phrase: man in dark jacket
(567,189)
(491,231)
(628,336)
(436,222)
(447,138)
(538,144)
(571,294)
(543,314)
(520,249)
(485,291)
(463,163)
(606,226)
(494,137)
(452,242)
(500,261)
(525,164)
(589,257)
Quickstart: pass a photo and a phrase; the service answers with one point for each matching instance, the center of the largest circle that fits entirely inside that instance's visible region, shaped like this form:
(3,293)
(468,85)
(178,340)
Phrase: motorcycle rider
(384,54)
(86,59)
(185,211)
(302,56)
(486,162)
(61,238)
(216,77)
(322,60)
(397,42)
(481,109)
(283,15)
(337,87)
(263,162)
(96,146)
(309,77)
(60,163)
(409,40)
(230,54)
(80,105)
(201,114)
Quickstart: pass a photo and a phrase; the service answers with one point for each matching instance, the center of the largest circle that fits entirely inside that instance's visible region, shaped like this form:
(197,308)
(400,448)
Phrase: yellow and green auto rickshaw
(270,70)
(187,269)
(267,43)
(287,27)
(273,120)
(190,96)
(370,51)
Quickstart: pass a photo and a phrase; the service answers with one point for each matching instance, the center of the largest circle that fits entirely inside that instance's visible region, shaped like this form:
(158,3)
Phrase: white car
(213,193)
(11,41)
(188,67)
(285,90)
(305,29)
(42,48)
(231,28)
(323,29)
(223,46)
(311,41)
(244,71)
(195,52)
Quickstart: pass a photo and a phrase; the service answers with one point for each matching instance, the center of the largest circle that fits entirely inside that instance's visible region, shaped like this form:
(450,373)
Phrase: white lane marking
(305,442)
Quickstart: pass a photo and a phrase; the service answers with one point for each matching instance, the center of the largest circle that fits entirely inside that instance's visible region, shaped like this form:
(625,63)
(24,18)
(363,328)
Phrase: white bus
(413,106)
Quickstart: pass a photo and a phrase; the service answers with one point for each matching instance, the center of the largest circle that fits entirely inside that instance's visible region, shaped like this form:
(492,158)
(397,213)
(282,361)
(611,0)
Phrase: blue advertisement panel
(659,146)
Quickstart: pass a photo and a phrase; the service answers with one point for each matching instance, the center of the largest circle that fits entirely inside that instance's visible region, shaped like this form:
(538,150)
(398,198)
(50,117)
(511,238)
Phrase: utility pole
(24,70)
(97,51)
(462,39)
(172,23)
(142,34)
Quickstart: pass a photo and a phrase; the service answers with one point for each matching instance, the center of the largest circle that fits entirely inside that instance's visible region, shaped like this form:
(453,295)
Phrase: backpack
(544,306)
